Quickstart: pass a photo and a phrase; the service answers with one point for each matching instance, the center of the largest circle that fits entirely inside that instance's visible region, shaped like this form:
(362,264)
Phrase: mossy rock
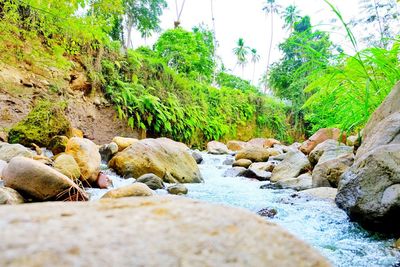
(45,121)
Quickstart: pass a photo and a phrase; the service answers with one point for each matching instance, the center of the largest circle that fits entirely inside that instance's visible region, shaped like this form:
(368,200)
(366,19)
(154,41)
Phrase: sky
(245,19)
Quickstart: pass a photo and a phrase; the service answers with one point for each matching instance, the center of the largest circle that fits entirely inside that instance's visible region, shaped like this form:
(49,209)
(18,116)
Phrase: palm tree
(255,57)
(178,13)
(241,52)
(291,15)
(270,8)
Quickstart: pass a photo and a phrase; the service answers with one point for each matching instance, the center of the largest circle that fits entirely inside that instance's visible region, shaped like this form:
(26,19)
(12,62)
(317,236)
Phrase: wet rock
(255,154)
(300,183)
(87,155)
(245,163)
(151,180)
(320,136)
(38,181)
(67,165)
(177,189)
(217,148)
(228,161)
(234,172)
(165,158)
(108,151)
(124,142)
(176,229)
(328,172)
(267,212)
(44,122)
(9,151)
(256,174)
(103,181)
(327,193)
(9,196)
(197,156)
(236,145)
(294,164)
(58,144)
(133,190)
(264,166)
(369,191)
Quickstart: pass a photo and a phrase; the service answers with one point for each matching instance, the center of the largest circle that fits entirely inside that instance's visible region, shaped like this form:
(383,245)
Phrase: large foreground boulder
(146,231)
(320,136)
(294,164)
(40,182)
(370,190)
(87,155)
(163,157)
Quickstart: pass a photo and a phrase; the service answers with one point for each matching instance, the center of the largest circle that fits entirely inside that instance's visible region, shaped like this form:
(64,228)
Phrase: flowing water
(317,222)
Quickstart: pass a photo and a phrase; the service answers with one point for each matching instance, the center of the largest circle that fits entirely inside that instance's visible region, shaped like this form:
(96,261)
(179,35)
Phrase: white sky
(245,19)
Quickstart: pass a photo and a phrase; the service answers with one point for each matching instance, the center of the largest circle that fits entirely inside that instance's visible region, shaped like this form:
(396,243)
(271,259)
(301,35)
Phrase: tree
(270,8)
(291,15)
(255,58)
(177,22)
(241,51)
(144,15)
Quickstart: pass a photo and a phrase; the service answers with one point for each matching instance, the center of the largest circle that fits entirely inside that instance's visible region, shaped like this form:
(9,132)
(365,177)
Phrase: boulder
(271,142)
(217,148)
(9,196)
(328,172)
(38,181)
(234,172)
(255,154)
(3,164)
(300,183)
(9,151)
(132,190)
(87,155)
(177,189)
(333,149)
(58,144)
(262,142)
(124,142)
(294,164)
(245,163)
(326,193)
(369,191)
(108,151)
(44,122)
(179,231)
(256,174)
(151,180)
(197,156)
(67,165)
(165,158)
(320,136)
(264,166)
(236,145)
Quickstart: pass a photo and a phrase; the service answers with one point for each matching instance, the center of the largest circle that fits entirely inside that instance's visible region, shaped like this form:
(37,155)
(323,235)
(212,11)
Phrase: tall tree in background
(270,8)
(144,15)
(179,10)
(255,58)
(241,51)
(290,15)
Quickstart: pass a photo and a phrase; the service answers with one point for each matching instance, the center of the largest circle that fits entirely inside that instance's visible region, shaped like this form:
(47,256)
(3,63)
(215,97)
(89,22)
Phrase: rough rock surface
(234,172)
(300,183)
(67,165)
(3,164)
(176,232)
(217,148)
(264,166)
(320,136)
(151,180)
(107,151)
(327,193)
(38,181)
(9,196)
(124,142)
(87,155)
(333,146)
(294,164)
(328,172)
(164,157)
(9,151)
(369,191)
(132,190)
(236,145)
(255,154)
(197,156)
(256,174)
(58,144)
(177,189)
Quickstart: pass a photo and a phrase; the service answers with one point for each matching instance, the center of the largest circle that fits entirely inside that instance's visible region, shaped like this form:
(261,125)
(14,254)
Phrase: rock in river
(164,157)
(151,180)
(133,190)
(146,231)
(294,164)
(217,148)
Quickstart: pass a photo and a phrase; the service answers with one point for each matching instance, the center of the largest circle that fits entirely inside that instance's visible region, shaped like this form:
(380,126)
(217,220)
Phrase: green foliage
(189,53)
(231,81)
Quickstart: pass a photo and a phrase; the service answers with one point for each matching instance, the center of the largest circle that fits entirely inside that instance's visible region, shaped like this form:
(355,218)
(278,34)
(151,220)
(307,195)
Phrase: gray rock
(228,161)
(326,193)
(328,172)
(152,181)
(256,154)
(300,183)
(217,148)
(108,151)
(328,145)
(197,156)
(179,231)
(264,166)
(294,164)
(10,197)
(177,189)
(259,175)
(9,151)
(369,191)
(234,172)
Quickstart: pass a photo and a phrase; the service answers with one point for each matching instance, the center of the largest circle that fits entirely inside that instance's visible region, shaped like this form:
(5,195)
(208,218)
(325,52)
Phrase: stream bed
(318,222)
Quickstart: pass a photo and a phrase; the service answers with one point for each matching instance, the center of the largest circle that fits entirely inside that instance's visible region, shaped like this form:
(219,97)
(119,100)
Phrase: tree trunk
(270,47)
